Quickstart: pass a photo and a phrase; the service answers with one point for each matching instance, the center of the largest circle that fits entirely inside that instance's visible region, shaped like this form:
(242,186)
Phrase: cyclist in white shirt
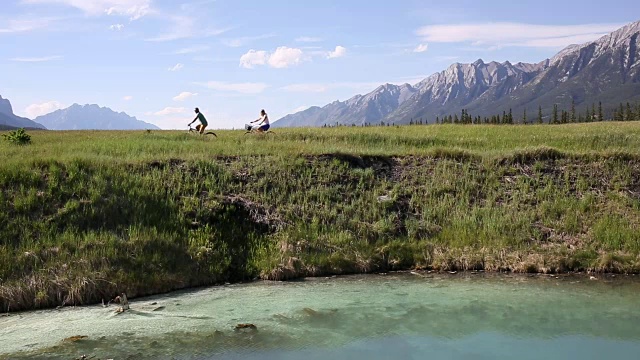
(263,122)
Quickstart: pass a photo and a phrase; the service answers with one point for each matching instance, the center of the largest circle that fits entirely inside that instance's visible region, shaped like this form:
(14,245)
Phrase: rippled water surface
(399,316)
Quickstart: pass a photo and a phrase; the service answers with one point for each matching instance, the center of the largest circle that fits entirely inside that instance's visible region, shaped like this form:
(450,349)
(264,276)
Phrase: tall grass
(84,215)
(484,140)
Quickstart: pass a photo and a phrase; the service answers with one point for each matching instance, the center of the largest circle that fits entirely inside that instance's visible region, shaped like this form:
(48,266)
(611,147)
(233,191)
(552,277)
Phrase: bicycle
(254,130)
(194,130)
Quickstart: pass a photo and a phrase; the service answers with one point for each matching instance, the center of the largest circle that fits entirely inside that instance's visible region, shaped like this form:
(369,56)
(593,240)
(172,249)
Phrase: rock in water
(75,338)
(246,327)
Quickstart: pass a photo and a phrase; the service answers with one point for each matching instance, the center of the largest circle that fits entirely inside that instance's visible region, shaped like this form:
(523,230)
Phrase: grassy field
(84,215)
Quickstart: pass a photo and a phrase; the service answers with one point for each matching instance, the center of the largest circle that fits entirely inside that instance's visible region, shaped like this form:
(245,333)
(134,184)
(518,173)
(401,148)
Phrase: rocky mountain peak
(625,38)
(5,106)
(609,65)
(91,117)
(9,119)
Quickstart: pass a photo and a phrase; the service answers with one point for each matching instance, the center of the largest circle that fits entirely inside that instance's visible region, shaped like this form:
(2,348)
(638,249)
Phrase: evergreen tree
(437,120)
(564,118)
(510,118)
(580,118)
(587,115)
(600,112)
(629,114)
(573,111)
(524,117)
(456,120)
(620,116)
(540,120)
(555,113)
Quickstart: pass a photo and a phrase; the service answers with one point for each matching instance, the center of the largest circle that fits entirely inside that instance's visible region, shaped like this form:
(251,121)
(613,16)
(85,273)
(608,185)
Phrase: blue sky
(158,59)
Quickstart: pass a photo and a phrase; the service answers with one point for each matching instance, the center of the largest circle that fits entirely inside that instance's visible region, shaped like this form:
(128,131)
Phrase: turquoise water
(398,316)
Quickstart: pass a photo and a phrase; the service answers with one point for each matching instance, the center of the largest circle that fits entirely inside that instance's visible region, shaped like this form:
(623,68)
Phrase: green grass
(484,140)
(84,215)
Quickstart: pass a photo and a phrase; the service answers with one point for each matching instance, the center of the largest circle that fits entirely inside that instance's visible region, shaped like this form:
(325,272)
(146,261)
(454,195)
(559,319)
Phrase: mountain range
(75,117)
(8,120)
(91,117)
(606,70)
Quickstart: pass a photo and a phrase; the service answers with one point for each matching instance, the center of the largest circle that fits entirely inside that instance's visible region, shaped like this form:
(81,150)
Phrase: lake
(403,316)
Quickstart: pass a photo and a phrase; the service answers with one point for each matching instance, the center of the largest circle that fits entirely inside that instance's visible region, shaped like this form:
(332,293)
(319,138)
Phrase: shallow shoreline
(439,304)
(426,274)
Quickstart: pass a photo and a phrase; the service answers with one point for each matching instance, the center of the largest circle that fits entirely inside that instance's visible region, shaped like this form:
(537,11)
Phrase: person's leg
(202,129)
(198,127)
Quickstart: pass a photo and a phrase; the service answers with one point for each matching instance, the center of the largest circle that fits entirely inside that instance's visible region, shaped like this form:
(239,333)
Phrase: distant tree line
(591,113)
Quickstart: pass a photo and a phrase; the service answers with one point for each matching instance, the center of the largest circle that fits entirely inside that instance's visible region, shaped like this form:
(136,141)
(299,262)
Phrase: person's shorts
(265,127)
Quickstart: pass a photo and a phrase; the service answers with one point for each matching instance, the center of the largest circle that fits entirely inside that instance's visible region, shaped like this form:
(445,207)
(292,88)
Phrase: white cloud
(340,51)
(184,96)
(282,58)
(169,111)
(253,58)
(308,39)
(37,59)
(25,25)
(177,67)
(242,41)
(243,88)
(446,58)
(116,27)
(192,50)
(324,87)
(35,110)
(134,9)
(358,87)
(306,88)
(184,27)
(515,34)
(421,48)
(127,98)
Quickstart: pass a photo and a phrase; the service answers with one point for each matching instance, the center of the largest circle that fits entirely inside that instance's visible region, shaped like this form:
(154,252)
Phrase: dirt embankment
(77,233)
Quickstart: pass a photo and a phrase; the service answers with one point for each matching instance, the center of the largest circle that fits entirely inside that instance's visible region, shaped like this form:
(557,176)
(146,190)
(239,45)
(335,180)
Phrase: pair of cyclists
(262,126)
